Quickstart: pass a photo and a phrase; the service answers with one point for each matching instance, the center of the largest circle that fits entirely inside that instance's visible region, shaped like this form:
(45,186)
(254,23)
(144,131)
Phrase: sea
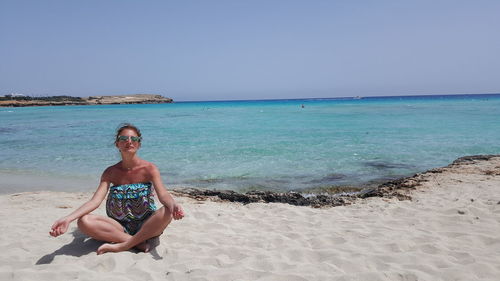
(300,145)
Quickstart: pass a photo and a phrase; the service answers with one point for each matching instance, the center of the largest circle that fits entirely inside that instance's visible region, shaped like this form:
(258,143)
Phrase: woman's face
(127,142)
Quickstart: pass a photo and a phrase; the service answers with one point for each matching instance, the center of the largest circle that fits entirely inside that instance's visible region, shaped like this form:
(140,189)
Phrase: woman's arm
(163,195)
(61,225)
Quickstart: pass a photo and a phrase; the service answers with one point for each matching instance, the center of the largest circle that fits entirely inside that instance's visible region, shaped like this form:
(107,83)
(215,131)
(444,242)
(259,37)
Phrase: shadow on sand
(83,245)
(80,246)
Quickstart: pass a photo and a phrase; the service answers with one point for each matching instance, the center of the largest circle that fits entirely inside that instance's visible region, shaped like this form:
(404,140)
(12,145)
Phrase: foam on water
(276,145)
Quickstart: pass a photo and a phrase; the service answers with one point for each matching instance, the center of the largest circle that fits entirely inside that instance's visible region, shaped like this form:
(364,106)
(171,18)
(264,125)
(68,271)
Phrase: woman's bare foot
(143,247)
(118,247)
(108,247)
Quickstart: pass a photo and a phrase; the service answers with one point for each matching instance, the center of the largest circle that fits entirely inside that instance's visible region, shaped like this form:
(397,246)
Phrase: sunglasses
(126,138)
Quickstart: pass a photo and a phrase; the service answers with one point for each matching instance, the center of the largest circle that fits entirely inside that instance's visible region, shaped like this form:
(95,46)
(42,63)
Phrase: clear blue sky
(211,50)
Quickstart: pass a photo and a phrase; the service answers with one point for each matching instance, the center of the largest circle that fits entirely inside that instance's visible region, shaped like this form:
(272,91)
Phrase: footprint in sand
(463,258)
(102,264)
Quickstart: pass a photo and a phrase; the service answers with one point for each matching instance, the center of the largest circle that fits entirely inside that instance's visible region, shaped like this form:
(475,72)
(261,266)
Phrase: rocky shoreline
(400,189)
(93,100)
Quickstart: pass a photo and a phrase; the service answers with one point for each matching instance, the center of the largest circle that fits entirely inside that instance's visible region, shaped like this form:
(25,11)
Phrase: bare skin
(131,169)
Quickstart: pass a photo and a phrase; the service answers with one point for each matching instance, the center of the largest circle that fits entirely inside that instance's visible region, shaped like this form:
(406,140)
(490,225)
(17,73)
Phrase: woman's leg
(102,228)
(152,227)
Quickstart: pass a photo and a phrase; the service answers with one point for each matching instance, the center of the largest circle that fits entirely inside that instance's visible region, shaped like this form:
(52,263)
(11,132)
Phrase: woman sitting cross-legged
(132,214)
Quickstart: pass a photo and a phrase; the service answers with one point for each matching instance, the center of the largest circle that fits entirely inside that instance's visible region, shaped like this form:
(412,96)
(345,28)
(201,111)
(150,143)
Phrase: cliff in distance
(128,99)
(93,100)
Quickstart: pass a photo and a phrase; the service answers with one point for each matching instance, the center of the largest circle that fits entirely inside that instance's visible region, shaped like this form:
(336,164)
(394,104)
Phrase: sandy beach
(448,231)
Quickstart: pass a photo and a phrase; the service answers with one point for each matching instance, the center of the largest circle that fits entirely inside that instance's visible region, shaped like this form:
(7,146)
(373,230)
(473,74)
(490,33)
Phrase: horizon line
(336,98)
(291,99)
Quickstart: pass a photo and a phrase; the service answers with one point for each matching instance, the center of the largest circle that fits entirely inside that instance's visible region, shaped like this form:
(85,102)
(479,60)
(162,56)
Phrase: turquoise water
(242,145)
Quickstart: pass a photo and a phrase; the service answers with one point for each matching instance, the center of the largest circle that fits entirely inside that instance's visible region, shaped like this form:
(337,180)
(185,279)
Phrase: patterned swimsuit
(130,205)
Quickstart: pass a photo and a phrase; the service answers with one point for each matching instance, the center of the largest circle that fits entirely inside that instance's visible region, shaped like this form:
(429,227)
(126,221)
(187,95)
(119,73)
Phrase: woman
(132,215)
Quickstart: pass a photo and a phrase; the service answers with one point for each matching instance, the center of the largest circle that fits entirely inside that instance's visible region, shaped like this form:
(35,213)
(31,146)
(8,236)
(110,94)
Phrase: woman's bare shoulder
(111,170)
(113,167)
(149,165)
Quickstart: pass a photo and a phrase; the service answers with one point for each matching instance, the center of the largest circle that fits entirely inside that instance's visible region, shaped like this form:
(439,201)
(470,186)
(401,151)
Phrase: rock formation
(67,100)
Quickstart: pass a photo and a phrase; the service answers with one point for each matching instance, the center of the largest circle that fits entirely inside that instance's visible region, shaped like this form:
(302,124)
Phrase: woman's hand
(59,227)
(178,212)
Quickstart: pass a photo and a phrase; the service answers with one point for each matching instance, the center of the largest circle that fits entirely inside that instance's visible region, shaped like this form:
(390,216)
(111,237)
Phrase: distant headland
(19,100)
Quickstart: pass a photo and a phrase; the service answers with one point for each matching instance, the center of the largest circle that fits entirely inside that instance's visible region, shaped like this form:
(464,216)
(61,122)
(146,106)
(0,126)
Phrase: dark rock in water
(391,189)
(469,159)
(328,179)
(369,192)
(6,130)
(235,197)
(380,180)
(204,181)
(333,189)
(292,198)
(385,165)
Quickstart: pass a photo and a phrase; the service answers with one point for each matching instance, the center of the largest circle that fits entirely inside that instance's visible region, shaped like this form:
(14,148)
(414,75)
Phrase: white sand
(449,231)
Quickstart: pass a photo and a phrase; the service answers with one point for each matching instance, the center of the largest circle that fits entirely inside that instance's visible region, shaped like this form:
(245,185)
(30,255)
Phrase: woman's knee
(84,222)
(168,216)
(164,215)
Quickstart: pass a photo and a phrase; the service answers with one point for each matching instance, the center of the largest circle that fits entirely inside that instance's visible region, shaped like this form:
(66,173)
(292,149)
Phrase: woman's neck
(129,161)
